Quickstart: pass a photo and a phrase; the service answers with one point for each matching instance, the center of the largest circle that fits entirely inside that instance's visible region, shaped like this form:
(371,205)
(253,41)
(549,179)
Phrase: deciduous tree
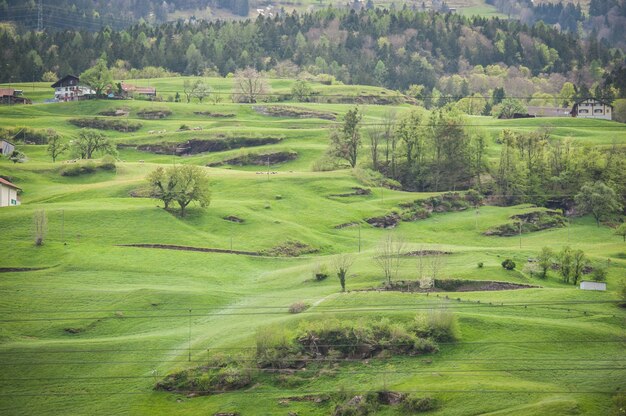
(345,143)
(98,77)
(55,146)
(597,199)
(250,85)
(91,141)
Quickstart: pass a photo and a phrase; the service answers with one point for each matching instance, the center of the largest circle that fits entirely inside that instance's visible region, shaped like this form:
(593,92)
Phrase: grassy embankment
(93,331)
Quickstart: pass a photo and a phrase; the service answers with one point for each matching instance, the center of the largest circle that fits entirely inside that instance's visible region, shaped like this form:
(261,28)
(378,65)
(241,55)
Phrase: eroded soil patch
(187,248)
(21,269)
(293,112)
(195,146)
(453,285)
(258,159)
(530,222)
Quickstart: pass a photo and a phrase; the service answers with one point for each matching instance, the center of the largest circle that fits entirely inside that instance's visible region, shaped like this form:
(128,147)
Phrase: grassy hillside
(100,323)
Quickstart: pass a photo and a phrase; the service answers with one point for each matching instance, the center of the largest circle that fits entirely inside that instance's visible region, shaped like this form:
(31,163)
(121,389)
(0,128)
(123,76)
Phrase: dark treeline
(94,14)
(377,47)
(605,21)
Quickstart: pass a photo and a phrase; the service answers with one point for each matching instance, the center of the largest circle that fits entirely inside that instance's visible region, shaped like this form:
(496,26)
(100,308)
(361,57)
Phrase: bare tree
(391,141)
(249,86)
(388,256)
(376,135)
(55,147)
(342,264)
(40,222)
(437,263)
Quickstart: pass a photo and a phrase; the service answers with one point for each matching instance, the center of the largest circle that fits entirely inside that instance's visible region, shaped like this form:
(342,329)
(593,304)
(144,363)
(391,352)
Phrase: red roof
(7,91)
(4,181)
(139,90)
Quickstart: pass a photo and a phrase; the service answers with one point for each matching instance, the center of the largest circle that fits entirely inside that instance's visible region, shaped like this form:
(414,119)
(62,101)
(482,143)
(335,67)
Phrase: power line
(310,392)
(367,305)
(300,371)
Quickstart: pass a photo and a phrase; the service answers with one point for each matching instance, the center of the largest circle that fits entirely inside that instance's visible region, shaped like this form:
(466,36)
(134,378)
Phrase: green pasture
(99,323)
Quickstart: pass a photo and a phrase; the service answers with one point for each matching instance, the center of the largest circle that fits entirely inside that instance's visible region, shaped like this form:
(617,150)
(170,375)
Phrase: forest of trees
(605,20)
(395,49)
(118,14)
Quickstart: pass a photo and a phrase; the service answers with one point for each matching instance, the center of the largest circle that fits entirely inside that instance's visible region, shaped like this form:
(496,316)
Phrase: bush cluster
(88,167)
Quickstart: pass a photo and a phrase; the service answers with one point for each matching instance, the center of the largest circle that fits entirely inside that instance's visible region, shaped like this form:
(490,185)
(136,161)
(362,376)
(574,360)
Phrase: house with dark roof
(68,88)
(8,194)
(592,108)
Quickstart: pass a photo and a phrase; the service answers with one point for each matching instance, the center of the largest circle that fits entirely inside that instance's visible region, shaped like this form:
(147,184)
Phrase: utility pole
(189,336)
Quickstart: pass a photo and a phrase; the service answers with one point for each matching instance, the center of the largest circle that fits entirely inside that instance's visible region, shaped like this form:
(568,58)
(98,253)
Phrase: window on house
(598,111)
(583,111)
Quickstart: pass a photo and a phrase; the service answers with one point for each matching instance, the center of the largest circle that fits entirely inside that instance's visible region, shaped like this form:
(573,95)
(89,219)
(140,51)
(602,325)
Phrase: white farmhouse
(69,89)
(592,108)
(8,194)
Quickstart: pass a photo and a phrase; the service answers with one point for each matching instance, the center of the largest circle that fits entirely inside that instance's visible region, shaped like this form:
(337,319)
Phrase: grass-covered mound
(258,159)
(315,342)
(154,113)
(293,112)
(529,222)
(218,144)
(106,124)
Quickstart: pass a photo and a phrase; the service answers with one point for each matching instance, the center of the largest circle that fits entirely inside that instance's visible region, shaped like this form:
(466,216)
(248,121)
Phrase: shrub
(273,348)
(508,264)
(599,274)
(480,264)
(298,307)
(440,325)
(320,272)
(78,169)
(419,404)
(108,163)
(184,127)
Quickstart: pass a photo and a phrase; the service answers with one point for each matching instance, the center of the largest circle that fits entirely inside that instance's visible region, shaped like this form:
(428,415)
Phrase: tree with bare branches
(342,264)
(388,255)
(250,84)
(40,223)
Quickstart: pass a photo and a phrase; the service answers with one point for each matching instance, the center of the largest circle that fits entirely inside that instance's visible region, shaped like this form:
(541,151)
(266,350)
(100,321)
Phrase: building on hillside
(539,111)
(129,90)
(68,88)
(8,194)
(592,108)
(6,148)
(12,96)
(585,285)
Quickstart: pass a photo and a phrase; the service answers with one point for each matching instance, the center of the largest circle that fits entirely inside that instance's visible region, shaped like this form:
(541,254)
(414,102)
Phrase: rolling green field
(100,323)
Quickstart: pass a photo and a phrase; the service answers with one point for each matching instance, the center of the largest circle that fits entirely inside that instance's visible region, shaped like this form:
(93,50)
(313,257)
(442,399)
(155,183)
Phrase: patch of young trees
(433,153)
(534,168)
(181,184)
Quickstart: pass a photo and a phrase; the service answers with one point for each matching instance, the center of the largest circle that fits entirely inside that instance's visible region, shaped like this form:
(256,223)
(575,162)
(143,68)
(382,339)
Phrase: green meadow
(90,325)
